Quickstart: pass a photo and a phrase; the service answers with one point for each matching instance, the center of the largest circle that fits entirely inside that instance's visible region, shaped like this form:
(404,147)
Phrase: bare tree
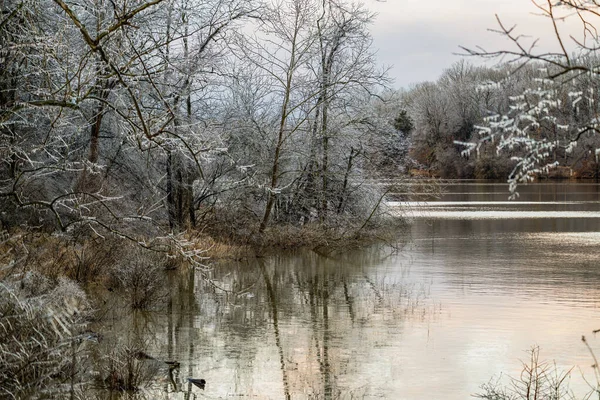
(136,78)
(315,59)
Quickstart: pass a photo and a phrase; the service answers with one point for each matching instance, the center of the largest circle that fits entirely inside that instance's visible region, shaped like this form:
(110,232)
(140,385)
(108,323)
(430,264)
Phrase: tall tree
(315,58)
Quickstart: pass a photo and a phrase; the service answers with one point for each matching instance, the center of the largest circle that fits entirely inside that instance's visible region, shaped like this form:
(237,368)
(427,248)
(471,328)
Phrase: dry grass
(233,243)
(40,342)
(110,263)
(326,238)
(219,249)
(56,256)
(98,261)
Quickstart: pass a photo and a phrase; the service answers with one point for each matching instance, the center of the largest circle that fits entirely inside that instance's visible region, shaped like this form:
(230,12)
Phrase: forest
(146,116)
(162,132)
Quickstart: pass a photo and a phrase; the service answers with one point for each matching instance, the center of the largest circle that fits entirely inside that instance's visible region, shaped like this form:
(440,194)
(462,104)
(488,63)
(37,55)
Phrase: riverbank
(100,261)
(76,281)
(584,172)
(88,259)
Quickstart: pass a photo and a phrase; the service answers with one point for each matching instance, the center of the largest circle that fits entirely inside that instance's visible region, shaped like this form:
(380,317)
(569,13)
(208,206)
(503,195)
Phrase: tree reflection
(274,319)
(296,327)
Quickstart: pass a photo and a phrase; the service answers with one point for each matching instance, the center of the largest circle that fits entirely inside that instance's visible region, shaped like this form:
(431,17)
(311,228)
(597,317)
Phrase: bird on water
(201,383)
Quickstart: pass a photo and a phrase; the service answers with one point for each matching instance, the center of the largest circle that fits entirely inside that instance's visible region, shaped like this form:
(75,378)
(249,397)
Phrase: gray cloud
(419,38)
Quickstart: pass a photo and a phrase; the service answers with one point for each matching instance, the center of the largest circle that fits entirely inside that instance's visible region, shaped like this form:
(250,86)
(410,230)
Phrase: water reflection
(461,303)
(296,326)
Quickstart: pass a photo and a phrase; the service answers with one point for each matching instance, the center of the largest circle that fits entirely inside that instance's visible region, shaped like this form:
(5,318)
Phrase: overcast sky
(418,37)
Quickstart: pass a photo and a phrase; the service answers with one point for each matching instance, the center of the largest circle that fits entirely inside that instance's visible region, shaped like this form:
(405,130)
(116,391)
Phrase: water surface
(478,283)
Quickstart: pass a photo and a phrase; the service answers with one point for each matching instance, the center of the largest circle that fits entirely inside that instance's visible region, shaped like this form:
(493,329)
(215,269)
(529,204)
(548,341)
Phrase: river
(477,284)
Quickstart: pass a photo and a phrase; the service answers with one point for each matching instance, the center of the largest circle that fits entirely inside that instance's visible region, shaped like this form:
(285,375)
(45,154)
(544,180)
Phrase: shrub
(128,368)
(487,167)
(142,276)
(538,380)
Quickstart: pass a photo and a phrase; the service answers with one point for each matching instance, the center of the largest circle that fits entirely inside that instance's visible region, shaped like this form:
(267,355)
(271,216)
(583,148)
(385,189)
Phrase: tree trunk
(280,135)
(324,166)
(95,134)
(342,197)
(88,181)
(170,193)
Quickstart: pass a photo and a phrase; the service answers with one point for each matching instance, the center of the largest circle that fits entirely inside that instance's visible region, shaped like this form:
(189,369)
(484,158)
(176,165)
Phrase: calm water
(480,281)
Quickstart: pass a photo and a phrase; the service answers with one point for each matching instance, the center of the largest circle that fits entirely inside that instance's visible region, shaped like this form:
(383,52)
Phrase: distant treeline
(467,102)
